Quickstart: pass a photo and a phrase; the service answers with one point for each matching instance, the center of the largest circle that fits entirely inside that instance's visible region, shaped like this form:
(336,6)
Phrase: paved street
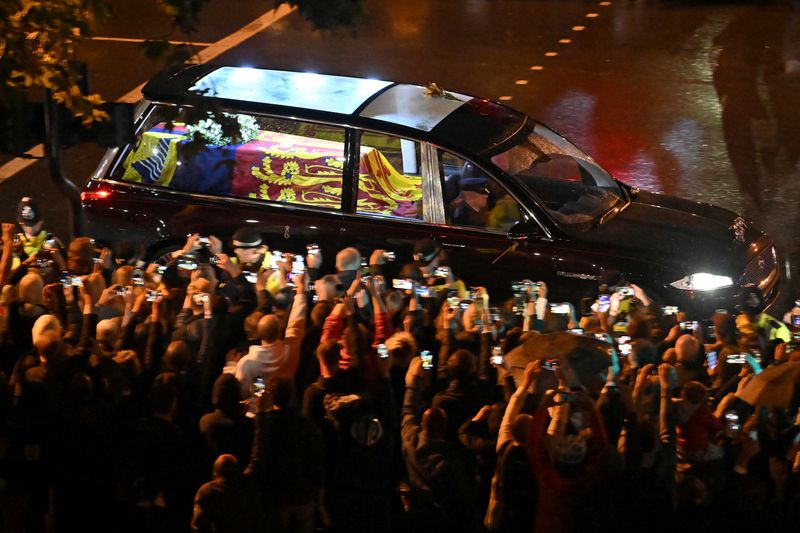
(678,97)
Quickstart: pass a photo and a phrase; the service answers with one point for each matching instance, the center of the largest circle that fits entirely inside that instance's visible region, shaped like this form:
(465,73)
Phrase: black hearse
(344,161)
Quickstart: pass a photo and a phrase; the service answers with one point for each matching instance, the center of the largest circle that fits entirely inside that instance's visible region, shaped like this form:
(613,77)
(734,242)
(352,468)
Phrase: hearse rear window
(277,160)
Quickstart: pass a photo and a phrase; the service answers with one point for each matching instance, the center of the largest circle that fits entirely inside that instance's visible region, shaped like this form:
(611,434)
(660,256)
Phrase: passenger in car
(470,208)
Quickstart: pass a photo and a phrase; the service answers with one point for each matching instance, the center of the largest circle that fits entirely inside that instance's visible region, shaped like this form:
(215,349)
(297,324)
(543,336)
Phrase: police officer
(757,327)
(32,239)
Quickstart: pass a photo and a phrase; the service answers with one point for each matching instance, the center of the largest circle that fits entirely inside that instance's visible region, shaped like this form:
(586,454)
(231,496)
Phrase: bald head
(434,422)
(687,349)
(48,344)
(268,329)
(107,332)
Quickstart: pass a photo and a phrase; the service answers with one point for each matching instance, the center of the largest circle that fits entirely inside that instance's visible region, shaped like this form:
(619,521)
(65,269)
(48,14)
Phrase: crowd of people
(253,391)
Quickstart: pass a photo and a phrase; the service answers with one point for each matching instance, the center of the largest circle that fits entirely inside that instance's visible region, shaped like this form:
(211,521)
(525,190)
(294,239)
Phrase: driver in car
(470,208)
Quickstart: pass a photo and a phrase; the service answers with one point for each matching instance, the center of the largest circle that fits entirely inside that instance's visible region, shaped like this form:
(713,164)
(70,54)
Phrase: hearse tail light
(99,194)
(702,281)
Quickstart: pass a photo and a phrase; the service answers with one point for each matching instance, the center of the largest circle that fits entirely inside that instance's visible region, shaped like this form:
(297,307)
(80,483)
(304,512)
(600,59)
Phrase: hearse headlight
(702,281)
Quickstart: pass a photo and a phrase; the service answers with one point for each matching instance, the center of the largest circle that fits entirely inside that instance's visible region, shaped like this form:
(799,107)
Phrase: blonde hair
(29,289)
(122,276)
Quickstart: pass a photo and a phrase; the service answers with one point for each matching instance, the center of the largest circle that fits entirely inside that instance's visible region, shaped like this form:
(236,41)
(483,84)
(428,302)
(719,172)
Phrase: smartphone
(689,326)
(203,241)
(277,257)
(186,263)
(65,279)
(442,272)
(389,256)
(383,351)
(625,291)
(312,249)
(796,321)
(736,358)
(137,278)
(564,397)
(76,281)
(756,355)
(670,310)
(453,301)
(122,291)
(427,359)
(711,360)
(425,292)
(710,334)
(200,298)
(732,425)
(50,243)
(604,303)
(161,269)
(258,387)
(576,331)
(298,265)
(560,309)
(494,314)
(252,277)
(497,356)
(601,337)
(403,284)
(464,304)
(549,364)
(152,295)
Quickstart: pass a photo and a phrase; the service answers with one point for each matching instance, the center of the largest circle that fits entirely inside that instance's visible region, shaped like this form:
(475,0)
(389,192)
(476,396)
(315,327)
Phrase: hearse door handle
(453,245)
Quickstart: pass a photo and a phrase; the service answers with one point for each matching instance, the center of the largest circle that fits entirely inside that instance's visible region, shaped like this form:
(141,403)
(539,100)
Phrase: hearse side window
(278,160)
(473,199)
(389,177)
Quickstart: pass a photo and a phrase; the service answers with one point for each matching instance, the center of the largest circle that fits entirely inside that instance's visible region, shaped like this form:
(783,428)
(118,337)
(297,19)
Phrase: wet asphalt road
(697,99)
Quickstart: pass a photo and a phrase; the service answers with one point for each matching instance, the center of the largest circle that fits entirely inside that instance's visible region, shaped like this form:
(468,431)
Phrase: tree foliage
(39,41)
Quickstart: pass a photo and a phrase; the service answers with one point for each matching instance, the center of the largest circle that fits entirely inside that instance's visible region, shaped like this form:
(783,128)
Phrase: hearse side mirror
(524,230)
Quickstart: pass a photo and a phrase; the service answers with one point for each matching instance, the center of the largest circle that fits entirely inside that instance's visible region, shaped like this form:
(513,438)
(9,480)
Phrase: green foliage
(39,39)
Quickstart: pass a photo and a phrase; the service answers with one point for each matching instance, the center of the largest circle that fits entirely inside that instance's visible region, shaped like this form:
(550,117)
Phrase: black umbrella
(589,358)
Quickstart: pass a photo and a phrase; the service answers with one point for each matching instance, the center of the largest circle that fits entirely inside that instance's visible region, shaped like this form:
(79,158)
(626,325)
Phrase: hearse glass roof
(321,92)
(408,105)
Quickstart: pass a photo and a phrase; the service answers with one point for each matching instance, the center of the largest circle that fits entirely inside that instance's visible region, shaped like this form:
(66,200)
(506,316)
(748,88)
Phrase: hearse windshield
(573,188)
